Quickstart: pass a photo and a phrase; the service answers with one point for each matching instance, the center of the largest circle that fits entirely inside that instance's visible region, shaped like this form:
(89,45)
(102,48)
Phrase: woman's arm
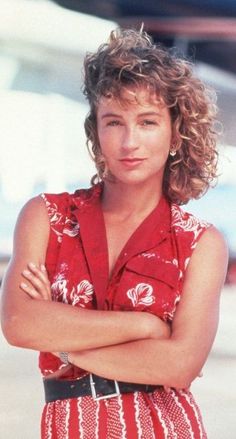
(177,361)
(52,326)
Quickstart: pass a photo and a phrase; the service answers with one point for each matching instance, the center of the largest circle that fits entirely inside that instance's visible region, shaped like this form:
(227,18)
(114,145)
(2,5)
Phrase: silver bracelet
(64,357)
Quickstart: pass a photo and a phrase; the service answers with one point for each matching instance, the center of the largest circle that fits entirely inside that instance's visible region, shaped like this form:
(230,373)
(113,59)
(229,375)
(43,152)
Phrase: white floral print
(82,294)
(71,227)
(169,315)
(187,222)
(148,255)
(59,288)
(141,295)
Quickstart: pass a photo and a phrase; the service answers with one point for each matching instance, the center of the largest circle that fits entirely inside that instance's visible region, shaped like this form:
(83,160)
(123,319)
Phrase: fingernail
(23,285)
(26,272)
(43,268)
(32,265)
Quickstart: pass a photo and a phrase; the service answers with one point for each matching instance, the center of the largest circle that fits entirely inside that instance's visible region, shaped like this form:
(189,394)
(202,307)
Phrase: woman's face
(134,136)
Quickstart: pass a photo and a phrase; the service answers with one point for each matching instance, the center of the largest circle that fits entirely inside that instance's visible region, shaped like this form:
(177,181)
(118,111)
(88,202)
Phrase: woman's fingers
(37,285)
(40,273)
(30,290)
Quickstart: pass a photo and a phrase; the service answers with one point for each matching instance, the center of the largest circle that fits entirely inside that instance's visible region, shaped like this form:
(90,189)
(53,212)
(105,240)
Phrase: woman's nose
(130,139)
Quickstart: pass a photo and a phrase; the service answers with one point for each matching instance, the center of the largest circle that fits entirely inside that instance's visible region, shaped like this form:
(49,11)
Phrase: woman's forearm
(149,361)
(32,320)
(52,326)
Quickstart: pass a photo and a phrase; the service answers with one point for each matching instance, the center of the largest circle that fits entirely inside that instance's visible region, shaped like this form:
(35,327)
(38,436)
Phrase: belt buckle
(108,396)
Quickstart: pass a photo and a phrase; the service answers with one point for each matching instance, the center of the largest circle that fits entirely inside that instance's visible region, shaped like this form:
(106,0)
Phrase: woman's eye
(149,122)
(113,123)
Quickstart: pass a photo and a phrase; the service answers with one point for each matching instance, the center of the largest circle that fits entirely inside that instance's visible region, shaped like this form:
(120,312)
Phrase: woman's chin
(133,179)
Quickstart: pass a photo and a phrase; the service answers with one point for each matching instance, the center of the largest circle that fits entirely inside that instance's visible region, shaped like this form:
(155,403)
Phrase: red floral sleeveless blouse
(148,276)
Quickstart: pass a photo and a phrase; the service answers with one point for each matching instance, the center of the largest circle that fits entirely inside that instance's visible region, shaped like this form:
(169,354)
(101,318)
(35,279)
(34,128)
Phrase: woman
(124,245)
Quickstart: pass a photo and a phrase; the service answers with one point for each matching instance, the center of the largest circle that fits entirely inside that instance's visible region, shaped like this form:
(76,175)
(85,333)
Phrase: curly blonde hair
(131,59)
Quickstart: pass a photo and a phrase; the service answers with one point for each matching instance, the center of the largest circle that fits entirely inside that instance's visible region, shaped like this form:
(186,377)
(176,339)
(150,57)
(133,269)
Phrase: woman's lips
(132,162)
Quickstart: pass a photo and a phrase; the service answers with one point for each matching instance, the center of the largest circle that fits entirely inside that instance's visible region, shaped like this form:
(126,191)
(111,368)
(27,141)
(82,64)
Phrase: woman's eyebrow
(110,115)
(149,113)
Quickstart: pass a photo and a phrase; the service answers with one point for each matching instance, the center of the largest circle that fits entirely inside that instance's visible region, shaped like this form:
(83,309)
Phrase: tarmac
(21,389)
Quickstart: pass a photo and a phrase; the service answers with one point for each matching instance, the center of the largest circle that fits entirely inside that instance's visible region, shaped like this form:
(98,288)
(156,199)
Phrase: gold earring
(105,173)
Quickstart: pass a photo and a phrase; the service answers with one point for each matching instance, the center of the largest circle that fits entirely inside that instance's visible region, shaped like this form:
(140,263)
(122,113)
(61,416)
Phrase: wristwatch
(64,357)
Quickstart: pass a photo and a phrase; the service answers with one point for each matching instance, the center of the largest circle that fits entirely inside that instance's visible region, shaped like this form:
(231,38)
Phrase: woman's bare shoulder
(213,240)
(34,204)
(34,211)
(209,260)
(32,227)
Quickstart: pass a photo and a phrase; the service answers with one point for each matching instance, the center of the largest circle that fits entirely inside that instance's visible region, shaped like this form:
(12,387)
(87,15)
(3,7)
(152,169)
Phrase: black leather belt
(91,385)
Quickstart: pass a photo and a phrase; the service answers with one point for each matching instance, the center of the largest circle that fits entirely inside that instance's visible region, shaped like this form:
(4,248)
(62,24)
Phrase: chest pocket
(148,284)
(165,272)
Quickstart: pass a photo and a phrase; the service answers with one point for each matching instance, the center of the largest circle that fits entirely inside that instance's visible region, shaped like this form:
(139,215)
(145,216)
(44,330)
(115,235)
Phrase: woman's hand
(37,286)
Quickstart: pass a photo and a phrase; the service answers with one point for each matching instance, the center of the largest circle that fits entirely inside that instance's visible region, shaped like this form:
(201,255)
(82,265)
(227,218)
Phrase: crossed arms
(127,346)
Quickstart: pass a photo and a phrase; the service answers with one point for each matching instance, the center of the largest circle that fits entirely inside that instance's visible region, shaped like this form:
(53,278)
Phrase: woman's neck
(125,200)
